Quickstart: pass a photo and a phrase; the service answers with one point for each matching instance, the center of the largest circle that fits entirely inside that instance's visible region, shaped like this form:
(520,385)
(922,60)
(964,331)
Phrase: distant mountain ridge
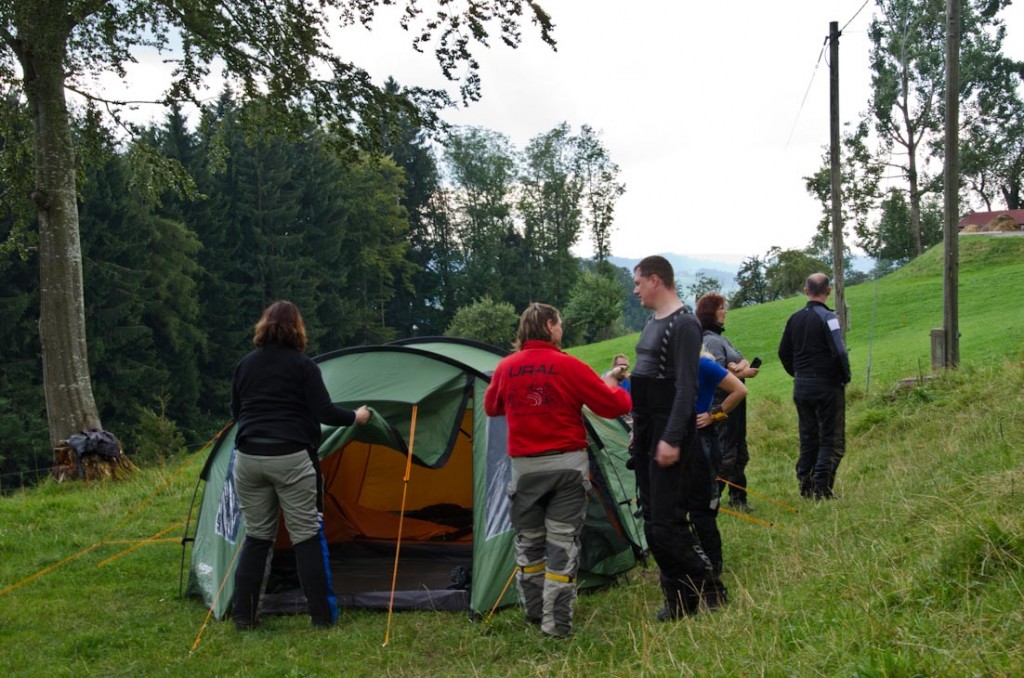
(686,269)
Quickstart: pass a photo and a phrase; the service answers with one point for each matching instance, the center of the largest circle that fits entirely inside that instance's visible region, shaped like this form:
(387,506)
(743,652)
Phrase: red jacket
(542,391)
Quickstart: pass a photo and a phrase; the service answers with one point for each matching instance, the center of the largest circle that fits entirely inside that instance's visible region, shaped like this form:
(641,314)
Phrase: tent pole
(401,519)
(502,595)
(216,597)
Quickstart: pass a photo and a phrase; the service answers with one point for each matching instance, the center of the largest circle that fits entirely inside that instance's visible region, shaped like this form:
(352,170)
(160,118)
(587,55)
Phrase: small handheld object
(755,363)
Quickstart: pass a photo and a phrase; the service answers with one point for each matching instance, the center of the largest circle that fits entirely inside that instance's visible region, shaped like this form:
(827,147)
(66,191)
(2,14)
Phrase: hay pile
(1004,223)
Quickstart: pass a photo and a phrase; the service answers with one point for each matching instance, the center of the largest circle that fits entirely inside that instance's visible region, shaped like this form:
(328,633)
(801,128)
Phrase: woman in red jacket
(541,392)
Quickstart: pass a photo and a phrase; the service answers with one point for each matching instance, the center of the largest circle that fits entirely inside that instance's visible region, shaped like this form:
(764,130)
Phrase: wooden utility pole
(837,197)
(951,186)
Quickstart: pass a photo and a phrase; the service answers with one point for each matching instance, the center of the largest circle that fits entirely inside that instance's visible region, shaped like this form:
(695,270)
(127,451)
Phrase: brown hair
(707,307)
(533,323)
(659,266)
(281,323)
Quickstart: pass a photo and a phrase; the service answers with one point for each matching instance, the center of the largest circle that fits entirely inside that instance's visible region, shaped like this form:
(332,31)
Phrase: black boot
(682,598)
(311,560)
(252,566)
(822,492)
(806,489)
(714,594)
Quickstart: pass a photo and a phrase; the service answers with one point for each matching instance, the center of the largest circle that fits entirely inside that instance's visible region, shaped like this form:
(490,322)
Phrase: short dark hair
(659,266)
(533,323)
(707,307)
(281,323)
(817,284)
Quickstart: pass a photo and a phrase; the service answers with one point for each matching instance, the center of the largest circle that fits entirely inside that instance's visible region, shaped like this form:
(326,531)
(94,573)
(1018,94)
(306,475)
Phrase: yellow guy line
(758,495)
(49,569)
(139,545)
(104,540)
(766,523)
(167,481)
(168,540)
(220,589)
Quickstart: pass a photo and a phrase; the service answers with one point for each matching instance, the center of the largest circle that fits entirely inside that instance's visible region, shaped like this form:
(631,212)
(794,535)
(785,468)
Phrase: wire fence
(20,480)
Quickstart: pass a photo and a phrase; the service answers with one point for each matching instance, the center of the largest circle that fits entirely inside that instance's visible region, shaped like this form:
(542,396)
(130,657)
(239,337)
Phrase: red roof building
(983,218)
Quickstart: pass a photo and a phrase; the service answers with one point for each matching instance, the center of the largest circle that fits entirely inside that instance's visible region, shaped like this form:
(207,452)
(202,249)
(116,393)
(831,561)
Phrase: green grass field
(918,570)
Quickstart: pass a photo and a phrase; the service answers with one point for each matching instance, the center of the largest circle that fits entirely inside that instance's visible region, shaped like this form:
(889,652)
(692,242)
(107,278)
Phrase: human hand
(751,372)
(362,415)
(703,420)
(666,455)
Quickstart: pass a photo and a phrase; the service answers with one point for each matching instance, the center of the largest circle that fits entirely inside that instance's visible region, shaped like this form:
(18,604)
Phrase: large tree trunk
(70,406)
(915,195)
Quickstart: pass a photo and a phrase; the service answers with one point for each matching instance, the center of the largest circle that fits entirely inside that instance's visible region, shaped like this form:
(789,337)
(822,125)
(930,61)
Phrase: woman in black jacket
(278,401)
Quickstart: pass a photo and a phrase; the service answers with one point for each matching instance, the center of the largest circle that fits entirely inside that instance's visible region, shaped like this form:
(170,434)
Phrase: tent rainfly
(456,546)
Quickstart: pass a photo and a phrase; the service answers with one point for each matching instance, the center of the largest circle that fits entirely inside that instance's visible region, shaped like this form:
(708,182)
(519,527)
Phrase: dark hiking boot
(681,600)
(714,595)
(252,563)
(316,583)
(669,612)
(741,505)
(822,492)
(806,489)
(560,631)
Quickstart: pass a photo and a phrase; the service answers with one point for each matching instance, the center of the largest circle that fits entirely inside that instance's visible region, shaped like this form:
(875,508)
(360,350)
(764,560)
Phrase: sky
(714,112)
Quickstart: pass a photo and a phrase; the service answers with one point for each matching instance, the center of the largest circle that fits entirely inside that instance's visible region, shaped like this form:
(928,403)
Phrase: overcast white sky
(698,103)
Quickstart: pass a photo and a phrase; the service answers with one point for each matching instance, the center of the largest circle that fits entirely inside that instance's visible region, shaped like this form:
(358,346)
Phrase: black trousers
(663,494)
(704,498)
(735,455)
(820,408)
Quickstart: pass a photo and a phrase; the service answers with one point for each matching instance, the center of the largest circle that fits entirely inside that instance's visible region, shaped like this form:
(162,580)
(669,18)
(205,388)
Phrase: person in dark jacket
(278,401)
(665,444)
(813,352)
(710,311)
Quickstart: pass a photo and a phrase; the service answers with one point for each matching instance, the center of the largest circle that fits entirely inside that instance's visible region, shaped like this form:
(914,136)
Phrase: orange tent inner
(363,486)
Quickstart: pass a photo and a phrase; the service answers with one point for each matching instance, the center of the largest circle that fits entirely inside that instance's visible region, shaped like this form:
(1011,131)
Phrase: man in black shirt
(813,353)
(665,443)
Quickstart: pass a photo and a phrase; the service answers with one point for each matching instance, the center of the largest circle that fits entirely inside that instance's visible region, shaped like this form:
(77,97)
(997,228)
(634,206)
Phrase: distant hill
(890,319)
(687,268)
(715,266)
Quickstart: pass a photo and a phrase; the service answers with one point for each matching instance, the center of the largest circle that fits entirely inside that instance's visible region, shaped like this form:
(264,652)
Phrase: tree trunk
(915,202)
(70,406)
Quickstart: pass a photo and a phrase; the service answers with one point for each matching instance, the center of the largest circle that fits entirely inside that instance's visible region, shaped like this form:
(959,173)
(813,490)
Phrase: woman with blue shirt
(704,495)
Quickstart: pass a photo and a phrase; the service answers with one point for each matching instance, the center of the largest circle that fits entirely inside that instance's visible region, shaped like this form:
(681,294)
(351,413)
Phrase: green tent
(456,546)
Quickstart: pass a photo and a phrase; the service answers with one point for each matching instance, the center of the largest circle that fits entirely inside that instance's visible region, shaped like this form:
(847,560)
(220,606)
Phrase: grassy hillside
(890,319)
(917,570)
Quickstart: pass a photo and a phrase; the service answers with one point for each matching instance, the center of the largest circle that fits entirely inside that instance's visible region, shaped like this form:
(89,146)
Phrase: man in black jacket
(813,353)
(665,443)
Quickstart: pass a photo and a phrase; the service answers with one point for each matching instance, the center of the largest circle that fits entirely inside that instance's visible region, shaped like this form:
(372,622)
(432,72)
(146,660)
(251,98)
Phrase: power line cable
(813,73)
(816,64)
(854,16)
